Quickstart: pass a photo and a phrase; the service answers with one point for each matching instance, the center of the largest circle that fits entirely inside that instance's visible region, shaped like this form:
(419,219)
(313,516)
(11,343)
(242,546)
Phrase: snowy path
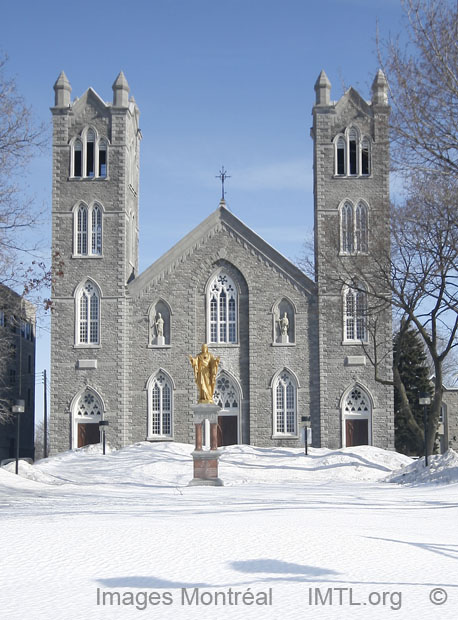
(126,524)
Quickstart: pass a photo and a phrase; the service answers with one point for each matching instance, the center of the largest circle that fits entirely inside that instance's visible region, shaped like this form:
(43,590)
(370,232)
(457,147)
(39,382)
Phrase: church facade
(289,346)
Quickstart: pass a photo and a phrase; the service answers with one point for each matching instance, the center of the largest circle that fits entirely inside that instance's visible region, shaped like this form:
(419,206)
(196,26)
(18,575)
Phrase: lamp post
(306,419)
(425,400)
(102,425)
(17,409)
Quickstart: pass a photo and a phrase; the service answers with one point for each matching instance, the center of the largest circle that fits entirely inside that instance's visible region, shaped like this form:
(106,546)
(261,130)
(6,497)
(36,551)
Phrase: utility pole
(45,413)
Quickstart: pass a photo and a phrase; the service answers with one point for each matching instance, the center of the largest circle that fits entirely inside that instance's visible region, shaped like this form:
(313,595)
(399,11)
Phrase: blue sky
(217,83)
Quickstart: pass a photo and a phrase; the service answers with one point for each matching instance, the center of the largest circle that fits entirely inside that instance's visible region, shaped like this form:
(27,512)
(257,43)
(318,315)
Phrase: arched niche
(284,322)
(159,324)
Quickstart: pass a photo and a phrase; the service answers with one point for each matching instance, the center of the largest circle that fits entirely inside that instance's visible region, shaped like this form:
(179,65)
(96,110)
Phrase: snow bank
(170,464)
(31,472)
(442,469)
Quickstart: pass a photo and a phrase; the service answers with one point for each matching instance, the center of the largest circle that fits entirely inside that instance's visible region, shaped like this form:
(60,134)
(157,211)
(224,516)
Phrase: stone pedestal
(160,341)
(206,461)
(284,338)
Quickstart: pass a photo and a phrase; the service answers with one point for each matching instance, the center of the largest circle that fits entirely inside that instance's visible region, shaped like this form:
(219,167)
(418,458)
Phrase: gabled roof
(90,96)
(353,96)
(216,221)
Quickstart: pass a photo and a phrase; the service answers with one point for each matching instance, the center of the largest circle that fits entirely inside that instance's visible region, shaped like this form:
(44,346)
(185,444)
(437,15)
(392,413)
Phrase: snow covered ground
(288,536)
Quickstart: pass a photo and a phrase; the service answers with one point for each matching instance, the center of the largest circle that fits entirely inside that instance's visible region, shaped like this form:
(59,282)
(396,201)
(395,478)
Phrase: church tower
(95,255)
(351,188)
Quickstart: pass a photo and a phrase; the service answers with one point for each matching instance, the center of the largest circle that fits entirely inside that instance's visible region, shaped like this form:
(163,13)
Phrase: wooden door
(357,432)
(88,434)
(227,430)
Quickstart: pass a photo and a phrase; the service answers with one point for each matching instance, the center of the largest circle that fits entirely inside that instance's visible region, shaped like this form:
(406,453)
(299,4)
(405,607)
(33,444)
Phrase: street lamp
(425,400)
(17,409)
(102,425)
(306,419)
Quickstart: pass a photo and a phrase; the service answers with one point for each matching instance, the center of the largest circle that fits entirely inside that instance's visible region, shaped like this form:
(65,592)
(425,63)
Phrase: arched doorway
(356,417)
(87,413)
(227,396)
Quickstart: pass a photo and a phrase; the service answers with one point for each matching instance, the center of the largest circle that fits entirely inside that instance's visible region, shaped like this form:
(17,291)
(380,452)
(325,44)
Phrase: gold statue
(205,366)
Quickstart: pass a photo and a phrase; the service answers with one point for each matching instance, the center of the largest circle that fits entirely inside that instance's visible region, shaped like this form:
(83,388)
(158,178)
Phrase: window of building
(89,155)
(352,154)
(2,318)
(88,315)
(285,404)
(160,405)
(12,376)
(223,309)
(354,228)
(29,364)
(355,315)
(361,228)
(88,230)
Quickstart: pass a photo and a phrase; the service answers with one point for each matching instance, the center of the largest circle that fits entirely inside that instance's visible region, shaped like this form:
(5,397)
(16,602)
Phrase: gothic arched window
(88,155)
(361,228)
(226,393)
(222,309)
(88,230)
(285,404)
(352,153)
(356,417)
(355,315)
(347,231)
(160,405)
(87,314)
(89,406)
(354,228)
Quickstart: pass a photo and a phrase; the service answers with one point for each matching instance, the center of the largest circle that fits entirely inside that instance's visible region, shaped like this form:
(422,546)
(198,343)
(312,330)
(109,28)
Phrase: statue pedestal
(284,338)
(206,461)
(160,341)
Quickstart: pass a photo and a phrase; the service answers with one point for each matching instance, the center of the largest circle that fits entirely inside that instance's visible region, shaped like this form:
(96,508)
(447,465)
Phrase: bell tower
(95,245)
(352,232)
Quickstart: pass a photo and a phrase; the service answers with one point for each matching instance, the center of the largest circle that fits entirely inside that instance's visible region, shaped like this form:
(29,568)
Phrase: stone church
(289,346)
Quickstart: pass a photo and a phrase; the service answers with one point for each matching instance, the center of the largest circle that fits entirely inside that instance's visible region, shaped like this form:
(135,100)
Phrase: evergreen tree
(411,362)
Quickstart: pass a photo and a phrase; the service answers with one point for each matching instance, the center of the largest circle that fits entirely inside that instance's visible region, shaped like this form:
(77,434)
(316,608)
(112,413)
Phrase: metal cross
(223,176)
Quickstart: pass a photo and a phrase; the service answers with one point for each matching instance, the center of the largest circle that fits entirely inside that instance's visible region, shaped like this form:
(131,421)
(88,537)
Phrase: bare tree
(422,76)
(21,267)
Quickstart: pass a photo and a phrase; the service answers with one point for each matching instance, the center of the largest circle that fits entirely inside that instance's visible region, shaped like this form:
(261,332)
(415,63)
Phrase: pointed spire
(323,89)
(380,89)
(62,90)
(121,91)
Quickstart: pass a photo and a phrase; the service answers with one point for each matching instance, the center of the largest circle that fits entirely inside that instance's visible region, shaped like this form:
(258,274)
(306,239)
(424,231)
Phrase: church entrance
(88,433)
(357,432)
(227,430)
(356,418)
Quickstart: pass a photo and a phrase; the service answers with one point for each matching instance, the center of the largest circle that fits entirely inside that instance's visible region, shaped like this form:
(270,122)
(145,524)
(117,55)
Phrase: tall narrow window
(352,146)
(355,315)
(160,405)
(347,228)
(222,301)
(361,228)
(96,232)
(78,159)
(90,147)
(81,233)
(285,401)
(88,230)
(102,158)
(341,147)
(365,160)
(88,315)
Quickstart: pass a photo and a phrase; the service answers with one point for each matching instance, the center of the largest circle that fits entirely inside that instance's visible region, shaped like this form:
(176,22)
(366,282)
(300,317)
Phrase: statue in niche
(159,326)
(284,324)
(205,366)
